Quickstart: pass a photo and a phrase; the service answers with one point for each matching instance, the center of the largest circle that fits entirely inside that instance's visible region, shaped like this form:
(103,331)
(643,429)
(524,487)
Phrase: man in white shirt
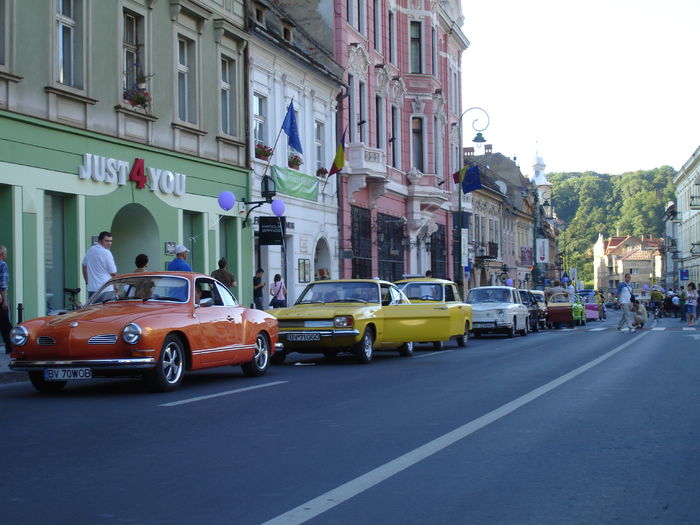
(624,293)
(98,264)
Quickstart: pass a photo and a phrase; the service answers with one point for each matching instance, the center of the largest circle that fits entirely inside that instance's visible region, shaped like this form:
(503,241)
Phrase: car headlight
(343,321)
(19,335)
(131,333)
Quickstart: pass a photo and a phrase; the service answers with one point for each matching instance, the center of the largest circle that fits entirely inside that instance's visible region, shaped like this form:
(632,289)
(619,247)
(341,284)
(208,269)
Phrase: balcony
(366,167)
(695,202)
(487,250)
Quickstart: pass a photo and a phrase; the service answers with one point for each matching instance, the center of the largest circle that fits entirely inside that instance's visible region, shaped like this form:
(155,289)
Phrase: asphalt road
(565,426)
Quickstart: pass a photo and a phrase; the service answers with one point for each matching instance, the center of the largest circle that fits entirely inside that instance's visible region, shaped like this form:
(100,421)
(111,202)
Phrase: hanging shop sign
(115,171)
(272,231)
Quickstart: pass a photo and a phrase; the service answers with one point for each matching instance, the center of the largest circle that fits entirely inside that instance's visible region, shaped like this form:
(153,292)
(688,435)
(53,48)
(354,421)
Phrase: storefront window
(54,251)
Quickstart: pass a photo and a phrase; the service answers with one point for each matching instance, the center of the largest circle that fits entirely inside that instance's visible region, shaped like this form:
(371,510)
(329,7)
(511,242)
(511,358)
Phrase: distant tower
(538,167)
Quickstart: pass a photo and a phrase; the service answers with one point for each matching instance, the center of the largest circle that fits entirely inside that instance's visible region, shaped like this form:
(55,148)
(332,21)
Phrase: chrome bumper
(95,364)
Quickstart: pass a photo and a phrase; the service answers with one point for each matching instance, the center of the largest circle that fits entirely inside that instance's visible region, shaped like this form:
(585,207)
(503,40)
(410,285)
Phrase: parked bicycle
(72,302)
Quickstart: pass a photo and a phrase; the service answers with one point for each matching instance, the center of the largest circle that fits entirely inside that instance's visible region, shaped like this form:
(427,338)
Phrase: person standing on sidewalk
(691,304)
(624,293)
(258,285)
(5,323)
(98,264)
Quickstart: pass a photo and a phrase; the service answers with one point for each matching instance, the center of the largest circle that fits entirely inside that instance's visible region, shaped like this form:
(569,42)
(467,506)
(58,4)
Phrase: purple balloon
(278,207)
(565,279)
(646,286)
(509,282)
(226,200)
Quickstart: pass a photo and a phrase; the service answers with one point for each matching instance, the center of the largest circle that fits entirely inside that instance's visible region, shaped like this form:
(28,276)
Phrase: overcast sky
(604,85)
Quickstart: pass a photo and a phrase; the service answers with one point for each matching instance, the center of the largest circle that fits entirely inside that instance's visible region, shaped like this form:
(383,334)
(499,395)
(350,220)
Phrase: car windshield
(560,298)
(423,291)
(339,292)
(488,295)
(147,287)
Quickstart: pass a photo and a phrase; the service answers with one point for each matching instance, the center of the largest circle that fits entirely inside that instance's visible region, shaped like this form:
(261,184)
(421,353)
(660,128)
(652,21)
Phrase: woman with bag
(278,291)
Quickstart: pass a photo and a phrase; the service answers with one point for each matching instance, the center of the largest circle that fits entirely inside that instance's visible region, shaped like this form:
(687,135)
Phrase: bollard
(20,309)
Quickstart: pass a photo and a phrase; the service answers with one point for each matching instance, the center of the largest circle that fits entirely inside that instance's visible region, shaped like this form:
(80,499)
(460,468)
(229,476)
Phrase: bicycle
(72,301)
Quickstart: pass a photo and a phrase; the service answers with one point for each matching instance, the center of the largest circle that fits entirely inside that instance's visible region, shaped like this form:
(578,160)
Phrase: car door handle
(441,307)
(229,318)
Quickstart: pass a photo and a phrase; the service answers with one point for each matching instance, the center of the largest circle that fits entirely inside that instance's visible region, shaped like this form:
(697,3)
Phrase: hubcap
(261,352)
(172,363)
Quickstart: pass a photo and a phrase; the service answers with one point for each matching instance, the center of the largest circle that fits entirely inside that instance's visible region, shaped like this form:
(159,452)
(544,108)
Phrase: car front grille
(45,340)
(103,339)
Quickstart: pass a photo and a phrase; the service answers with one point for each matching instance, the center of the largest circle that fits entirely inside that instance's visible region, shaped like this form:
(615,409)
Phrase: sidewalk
(7,375)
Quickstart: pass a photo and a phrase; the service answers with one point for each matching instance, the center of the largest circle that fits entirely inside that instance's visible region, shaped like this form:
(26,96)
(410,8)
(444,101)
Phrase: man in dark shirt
(224,275)
(258,286)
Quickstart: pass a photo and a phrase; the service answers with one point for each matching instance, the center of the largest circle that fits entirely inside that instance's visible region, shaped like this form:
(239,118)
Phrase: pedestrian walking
(624,293)
(141,263)
(98,263)
(676,302)
(691,304)
(179,263)
(681,307)
(224,275)
(278,291)
(258,286)
(5,323)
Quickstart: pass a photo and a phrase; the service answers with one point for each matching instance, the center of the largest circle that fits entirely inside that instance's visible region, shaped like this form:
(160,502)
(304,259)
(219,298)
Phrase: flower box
(262,151)
(321,172)
(294,162)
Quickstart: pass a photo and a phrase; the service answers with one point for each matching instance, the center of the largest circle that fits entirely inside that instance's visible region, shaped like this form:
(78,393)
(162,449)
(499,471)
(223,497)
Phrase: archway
(135,231)
(322,260)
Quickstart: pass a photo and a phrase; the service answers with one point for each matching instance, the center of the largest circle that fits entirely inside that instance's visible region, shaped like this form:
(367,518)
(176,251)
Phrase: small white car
(498,309)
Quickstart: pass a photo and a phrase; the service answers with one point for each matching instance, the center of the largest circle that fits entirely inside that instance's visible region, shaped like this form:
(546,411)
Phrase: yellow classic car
(357,316)
(443,295)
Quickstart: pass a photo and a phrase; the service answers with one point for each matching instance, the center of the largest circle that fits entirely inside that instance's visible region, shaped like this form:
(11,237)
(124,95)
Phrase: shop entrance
(135,231)
(322,260)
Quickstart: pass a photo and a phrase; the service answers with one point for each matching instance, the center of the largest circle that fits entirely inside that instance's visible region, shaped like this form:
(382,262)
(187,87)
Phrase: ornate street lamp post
(478,140)
(542,195)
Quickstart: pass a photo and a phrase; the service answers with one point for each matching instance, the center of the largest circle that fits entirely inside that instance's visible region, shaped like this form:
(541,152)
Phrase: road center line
(327,501)
(220,394)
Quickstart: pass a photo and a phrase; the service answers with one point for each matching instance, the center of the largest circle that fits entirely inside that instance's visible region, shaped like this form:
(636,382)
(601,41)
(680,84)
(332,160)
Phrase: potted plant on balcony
(137,96)
(262,151)
(321,172)
(294,162)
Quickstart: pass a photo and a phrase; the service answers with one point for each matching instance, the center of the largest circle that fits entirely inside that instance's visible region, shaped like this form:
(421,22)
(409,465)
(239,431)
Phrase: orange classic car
(155,325)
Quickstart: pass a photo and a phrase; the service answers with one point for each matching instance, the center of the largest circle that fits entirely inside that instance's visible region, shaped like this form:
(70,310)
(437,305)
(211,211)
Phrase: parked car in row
(498,309)
(360,316)
(563,308)
(533,309)
(155,325)
(542,307)
(442,294)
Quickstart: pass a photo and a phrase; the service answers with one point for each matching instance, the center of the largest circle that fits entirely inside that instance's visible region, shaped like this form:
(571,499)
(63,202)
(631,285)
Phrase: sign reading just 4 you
(115,171)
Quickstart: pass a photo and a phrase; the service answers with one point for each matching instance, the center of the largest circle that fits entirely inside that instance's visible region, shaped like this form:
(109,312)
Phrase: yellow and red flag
(339,160)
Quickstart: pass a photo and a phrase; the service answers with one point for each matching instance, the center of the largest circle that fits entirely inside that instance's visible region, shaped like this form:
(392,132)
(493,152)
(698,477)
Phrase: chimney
(469,152)
(488,149)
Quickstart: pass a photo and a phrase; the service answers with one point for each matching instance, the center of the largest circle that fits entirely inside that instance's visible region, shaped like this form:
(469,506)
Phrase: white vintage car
(498,309)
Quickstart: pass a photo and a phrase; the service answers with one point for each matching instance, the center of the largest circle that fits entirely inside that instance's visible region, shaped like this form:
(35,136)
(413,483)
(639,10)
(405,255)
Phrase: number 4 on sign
(138,173)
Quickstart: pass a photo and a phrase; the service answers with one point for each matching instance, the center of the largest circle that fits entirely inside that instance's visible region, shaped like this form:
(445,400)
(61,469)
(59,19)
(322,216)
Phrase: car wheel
(511,330)
(170,369)
(463,339)
(406,349)
(261,360)
(571,324)
(364,348)
(438,345)
(44,386)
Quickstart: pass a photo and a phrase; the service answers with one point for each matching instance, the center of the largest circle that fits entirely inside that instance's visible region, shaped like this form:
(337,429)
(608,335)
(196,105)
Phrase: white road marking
(415,356)
(220,394)
(332,498)
(658,329)
(689,328)
(597,329)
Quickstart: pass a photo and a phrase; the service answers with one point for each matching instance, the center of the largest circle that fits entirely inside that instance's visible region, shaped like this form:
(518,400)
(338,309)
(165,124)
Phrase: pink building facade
(400,115)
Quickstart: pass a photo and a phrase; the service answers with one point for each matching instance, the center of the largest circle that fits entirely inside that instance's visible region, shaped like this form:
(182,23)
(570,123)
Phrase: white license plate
(64,374)
(312,336)
(484,325)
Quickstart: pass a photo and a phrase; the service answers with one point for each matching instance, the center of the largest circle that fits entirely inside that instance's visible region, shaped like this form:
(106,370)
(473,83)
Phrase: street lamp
(542,201)
(477,140)
(268,189)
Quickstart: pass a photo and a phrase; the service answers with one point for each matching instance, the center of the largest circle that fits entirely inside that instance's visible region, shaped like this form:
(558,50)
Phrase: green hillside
(591,203)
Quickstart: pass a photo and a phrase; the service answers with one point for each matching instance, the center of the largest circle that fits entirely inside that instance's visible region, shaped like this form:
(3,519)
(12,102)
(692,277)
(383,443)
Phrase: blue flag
(472,180)
(289,126)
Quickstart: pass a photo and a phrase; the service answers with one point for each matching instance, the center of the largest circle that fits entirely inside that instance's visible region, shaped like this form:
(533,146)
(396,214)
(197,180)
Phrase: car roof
(371,281)
(424,280)
(493,287)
